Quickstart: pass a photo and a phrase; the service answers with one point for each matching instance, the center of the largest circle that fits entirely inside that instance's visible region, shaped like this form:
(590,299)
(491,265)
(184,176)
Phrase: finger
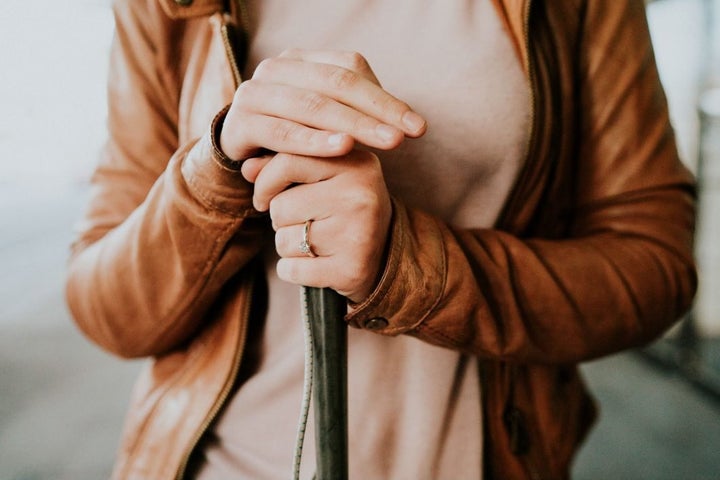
(318,111)
(258,132)
(251,167)
(311,272)
(289,238)
(349,60)
(325,272)
(319,186)
(285,170)
(347,87)
(332,231)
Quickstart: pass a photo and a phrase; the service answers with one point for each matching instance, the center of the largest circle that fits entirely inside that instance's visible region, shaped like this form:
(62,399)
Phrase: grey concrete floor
(62,400)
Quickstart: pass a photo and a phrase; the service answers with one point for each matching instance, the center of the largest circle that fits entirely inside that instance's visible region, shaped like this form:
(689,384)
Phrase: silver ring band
(305,246)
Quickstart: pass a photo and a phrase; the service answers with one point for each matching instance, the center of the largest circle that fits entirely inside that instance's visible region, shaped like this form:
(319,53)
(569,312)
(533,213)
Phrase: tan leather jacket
(592,253)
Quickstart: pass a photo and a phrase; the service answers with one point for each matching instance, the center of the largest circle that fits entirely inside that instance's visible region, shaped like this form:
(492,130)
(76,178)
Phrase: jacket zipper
(532,469)
(513,434)
(513,199)
(531,76)
(227,387)
(227,30)
(235,37)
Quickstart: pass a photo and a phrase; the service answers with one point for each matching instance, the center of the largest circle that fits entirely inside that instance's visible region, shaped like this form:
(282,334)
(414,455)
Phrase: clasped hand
(313,107)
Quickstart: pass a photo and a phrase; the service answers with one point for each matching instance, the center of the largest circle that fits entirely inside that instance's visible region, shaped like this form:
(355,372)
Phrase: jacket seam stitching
(244,212)
(435,304)
(205,275)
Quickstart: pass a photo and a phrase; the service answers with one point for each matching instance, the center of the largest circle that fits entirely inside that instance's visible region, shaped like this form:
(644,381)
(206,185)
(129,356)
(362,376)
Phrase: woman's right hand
(315,103)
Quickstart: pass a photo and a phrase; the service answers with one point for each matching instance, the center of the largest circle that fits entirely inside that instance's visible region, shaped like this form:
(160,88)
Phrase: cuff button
(377,323)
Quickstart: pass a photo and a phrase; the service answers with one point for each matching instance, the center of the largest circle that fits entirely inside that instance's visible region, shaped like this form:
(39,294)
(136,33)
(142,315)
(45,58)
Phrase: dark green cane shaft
(326,310)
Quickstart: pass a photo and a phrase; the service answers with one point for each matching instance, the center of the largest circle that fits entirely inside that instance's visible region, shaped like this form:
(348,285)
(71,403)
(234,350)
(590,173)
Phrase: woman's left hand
(348,204)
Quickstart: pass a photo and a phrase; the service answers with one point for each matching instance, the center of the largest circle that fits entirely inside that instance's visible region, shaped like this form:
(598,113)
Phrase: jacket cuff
(214,179)
(218,155)
(413,280)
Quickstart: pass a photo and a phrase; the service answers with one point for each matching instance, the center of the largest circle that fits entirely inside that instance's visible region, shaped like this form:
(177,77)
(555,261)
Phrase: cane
(327,309)
(327,334)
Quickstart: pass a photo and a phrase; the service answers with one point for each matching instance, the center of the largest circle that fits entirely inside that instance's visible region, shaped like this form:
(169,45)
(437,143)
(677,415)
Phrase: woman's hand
(315,103)
(348,203)
(311,107)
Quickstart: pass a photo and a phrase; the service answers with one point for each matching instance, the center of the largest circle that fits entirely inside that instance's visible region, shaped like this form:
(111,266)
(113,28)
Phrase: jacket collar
(178,9)
(514,14)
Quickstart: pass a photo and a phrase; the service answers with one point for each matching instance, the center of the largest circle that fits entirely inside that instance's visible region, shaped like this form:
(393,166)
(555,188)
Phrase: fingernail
(413,121)
(386,132)
(335,139)
(282,270)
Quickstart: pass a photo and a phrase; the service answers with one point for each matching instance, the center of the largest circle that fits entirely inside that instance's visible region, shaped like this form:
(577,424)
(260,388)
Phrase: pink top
(414,409)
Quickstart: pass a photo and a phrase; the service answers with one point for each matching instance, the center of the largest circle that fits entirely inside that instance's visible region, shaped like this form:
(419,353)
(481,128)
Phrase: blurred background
(62,400)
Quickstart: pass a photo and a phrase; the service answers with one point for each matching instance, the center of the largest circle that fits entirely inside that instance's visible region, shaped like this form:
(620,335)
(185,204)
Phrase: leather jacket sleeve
(624,273)
(167,225)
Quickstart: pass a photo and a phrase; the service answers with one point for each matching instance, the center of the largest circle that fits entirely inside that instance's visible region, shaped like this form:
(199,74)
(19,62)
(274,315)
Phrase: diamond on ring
(305,246)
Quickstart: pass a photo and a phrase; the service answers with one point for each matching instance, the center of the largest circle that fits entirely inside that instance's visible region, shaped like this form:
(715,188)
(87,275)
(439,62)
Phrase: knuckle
(264,68)
(260,197)
(275,210)
(373,167)
(364,200)
(367,162)
(375,174)
(361,123)
(287,175)
(342,79)
(313,103)
(355,61)
(244,93)
(393,106)
(280,210)
(283,133)
(283,165)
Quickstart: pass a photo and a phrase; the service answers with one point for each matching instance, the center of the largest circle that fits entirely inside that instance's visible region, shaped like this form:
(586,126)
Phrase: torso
(415,409)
